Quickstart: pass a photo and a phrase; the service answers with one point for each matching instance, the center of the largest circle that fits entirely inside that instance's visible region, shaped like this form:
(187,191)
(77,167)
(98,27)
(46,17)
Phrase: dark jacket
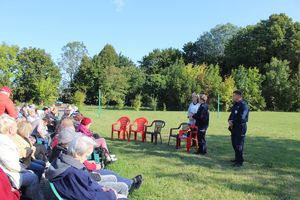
(202,117)
(239,113)
(73,182)
(56,151)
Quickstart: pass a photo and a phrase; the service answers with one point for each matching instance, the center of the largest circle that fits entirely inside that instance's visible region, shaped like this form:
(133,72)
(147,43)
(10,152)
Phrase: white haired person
(193,107)
(9,161)
(70,177)
(202,122)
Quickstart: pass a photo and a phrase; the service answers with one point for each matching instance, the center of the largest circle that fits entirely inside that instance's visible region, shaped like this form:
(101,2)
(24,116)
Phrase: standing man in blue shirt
(238,126)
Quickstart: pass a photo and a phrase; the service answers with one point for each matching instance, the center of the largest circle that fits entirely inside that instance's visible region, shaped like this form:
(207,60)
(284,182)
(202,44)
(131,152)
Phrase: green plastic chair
(55,192)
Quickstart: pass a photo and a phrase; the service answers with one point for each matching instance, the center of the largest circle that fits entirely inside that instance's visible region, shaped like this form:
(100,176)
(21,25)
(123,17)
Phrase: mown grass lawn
(271,170)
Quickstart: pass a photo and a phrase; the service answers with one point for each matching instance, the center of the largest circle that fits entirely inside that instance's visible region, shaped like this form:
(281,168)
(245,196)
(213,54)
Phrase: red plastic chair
(189,135)
(138,126)
(120,127)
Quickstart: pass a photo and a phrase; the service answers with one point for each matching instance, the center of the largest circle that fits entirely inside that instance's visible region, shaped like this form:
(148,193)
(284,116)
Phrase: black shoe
(233,161)
(197,152)
(237,164)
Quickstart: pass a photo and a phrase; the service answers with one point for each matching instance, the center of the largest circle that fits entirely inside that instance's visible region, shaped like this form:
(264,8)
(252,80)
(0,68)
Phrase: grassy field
(271,170)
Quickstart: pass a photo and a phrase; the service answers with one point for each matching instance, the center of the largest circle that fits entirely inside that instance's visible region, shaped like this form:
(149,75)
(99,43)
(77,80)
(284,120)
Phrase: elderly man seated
(70,177)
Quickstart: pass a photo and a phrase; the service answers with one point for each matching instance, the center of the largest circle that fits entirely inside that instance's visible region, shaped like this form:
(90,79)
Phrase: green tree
(107,57)
(180,86)
(210,46)
(46,94)
(155,85)
(255,45)
(72,54)
(157,60)
(136,80)
(36,67)
(79,98)
(295,82)
(9,67)
(114,86)
(84,80)
(277,87)
(208,79)
(227,88)
(124,61)
(250,82)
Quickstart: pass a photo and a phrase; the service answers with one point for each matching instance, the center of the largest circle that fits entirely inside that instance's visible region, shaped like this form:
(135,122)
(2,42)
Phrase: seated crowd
(38,144)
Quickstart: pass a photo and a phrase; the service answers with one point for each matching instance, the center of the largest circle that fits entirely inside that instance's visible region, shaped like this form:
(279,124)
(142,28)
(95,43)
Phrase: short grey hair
(80,145)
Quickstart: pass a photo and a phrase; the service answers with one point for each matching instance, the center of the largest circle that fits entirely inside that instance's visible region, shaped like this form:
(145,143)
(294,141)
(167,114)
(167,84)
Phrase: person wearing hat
(193,107)
(202,122)
(6,104)
(84,128)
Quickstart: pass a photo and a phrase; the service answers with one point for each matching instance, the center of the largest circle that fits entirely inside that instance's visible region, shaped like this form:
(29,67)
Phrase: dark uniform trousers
(238,135)
(202,141)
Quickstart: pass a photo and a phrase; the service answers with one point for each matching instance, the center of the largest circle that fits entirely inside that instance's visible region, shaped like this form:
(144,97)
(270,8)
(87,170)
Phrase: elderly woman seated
(9,161)
(70,177)
(27,150)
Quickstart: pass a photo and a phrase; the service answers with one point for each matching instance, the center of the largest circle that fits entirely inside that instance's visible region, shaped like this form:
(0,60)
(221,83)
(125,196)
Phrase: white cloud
(119,4)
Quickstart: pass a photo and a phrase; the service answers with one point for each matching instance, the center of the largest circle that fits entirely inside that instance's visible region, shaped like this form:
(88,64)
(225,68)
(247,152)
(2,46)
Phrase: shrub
(153,103)
(79,98)
(137,103)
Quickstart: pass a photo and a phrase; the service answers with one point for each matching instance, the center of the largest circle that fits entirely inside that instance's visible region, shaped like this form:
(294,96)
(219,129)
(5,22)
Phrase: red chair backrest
(140,123)
(124,121)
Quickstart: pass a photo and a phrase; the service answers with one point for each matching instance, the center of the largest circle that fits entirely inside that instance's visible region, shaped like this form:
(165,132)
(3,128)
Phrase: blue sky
(133,27)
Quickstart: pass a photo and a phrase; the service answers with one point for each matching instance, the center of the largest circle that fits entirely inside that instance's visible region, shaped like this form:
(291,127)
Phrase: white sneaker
(111,159)
(47,164)
(112,155)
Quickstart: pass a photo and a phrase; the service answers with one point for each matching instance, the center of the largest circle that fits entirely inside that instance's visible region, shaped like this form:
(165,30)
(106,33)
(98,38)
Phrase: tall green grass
(271,170)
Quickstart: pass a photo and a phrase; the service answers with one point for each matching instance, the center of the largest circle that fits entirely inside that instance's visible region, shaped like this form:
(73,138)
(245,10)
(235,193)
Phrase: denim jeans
(38,167)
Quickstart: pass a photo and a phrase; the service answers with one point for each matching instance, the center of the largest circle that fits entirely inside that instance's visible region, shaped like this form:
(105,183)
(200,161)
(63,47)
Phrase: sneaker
(111,159)
(112,155)
(47,164)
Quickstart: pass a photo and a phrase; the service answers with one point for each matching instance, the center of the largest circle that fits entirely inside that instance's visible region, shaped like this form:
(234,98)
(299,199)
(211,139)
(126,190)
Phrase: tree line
(262,60)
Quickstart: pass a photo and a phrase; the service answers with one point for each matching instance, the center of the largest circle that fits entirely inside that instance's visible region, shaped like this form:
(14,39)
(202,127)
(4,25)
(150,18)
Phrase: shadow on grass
(281,157)
(264,151)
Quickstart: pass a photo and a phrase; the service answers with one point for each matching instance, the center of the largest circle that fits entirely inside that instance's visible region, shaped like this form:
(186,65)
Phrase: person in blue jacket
(72,180)
(202,122)
(237,122)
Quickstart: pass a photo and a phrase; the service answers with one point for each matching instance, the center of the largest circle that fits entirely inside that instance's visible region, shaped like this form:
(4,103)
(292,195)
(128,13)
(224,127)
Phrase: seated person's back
(70,178)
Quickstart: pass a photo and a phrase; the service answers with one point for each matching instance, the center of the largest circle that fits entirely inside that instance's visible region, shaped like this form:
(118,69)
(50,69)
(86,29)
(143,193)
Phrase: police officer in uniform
(202,122)
(238,126)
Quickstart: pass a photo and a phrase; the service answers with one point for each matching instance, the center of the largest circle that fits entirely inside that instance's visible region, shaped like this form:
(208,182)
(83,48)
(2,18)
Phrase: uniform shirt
(239,113)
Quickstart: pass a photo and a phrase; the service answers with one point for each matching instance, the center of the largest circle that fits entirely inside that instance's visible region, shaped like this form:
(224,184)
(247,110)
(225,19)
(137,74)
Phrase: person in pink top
(84,128)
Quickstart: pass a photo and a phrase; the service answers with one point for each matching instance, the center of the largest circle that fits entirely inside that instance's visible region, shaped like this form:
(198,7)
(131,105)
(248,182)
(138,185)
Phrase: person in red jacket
(7,191)
(6,104)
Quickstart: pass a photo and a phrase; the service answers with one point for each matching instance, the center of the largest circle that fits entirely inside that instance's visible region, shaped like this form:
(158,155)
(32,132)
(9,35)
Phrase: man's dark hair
(238,92)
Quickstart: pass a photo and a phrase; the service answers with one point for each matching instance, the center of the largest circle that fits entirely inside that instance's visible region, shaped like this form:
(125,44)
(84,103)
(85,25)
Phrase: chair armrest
(130,126)
(114,124)
(173,129)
